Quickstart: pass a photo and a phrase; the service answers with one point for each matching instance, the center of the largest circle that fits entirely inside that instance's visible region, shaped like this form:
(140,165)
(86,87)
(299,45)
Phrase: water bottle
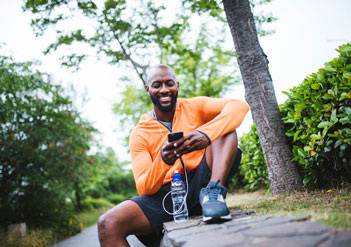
(178,193)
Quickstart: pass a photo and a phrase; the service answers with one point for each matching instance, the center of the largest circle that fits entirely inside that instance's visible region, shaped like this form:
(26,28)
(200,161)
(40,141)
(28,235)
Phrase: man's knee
(228,141)
(232,137)
(110,223)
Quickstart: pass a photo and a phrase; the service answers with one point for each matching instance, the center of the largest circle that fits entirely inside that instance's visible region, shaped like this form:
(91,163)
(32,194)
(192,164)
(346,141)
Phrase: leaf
(338,143)
(306,180)
(345,120)
(323,124)
(315,86)
(301,152)
(316,136)
(333,116)
(297,115)
(325,131)
(296,134)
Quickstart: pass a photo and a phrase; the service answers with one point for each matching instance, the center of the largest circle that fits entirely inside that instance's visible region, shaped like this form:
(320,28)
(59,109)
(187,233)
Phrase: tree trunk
(78,200)
(259,93)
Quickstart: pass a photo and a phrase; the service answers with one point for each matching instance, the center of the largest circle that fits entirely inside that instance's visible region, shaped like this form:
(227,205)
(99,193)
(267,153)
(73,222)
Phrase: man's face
(163,89)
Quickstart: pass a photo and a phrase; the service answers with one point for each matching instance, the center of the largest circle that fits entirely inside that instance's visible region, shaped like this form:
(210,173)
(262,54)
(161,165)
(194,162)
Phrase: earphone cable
(186,194)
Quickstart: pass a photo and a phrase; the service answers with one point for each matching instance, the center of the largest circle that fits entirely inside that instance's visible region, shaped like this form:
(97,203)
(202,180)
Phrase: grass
(90,218)
(330,207)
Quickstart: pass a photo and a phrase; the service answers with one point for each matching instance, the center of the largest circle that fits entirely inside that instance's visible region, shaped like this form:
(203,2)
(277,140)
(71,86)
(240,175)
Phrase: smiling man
(209,151)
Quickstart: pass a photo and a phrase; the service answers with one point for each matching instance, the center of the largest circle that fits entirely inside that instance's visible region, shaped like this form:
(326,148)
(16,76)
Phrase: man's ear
(147,89)
(178,84)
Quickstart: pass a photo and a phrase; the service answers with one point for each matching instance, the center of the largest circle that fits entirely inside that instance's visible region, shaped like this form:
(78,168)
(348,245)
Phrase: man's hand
(195,140)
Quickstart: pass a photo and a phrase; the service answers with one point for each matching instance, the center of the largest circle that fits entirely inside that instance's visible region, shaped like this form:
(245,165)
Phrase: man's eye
(170,83)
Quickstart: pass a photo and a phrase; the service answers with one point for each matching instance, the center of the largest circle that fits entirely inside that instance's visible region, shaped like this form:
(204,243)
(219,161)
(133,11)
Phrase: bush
(116,198)
(253,169)
(317,115)
(34,237)
(43,149)
(90,203)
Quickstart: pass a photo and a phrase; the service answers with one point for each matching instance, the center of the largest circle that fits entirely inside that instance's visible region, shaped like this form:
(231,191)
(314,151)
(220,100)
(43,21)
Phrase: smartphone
(173,136)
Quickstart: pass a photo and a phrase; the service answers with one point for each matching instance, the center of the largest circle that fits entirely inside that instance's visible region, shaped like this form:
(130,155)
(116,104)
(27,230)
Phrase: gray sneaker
(212,200)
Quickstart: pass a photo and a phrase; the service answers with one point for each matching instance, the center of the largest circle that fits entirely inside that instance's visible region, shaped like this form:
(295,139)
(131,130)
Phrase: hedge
(317,118)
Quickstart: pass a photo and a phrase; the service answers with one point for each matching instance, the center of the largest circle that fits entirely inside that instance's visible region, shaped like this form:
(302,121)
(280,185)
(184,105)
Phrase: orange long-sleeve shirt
(212,116)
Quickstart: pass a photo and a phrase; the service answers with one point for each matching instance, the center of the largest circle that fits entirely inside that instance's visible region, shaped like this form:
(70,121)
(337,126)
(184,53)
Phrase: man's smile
(165,99)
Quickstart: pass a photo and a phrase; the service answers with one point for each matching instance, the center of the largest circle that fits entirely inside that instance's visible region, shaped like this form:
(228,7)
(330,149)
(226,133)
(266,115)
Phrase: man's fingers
(168,146)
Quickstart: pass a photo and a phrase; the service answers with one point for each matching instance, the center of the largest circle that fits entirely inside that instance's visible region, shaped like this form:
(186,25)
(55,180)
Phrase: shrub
(317,115)
(34,237)
(43,149)
(116,198)
(253,170)
(94,203)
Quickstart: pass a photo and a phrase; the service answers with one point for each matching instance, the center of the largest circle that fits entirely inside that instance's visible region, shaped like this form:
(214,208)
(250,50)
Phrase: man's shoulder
(145,123)
(144,120)
(193,101)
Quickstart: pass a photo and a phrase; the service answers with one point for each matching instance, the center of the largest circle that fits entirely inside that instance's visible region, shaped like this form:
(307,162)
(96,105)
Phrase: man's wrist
(162,157)
(209,140)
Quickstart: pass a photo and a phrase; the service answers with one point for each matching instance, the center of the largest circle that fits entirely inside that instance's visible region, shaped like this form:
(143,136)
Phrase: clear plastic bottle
(178,193)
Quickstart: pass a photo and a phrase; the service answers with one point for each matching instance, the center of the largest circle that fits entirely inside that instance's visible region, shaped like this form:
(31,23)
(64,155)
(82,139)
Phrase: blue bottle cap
(177,177)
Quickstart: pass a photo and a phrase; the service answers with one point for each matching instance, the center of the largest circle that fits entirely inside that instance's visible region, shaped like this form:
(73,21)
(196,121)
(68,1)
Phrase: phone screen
(173,136)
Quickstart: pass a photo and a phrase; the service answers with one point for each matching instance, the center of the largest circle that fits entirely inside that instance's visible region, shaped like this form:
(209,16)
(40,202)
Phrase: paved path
(247,230)
(89,238)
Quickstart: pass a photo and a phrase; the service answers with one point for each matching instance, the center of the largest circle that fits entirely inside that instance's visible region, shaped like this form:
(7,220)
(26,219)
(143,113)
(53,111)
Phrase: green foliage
(34,237)
(90,203)
(215,9)
(89,218)
(253,169)
(136,34)
(317,115)
(116,198)
(43,149)
(111,177)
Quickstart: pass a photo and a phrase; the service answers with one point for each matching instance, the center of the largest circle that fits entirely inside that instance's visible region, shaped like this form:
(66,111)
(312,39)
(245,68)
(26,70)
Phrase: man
(208,149)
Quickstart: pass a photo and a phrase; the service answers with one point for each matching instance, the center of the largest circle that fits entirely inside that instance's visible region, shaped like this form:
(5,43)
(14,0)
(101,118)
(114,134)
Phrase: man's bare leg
(220,156)
(122,220)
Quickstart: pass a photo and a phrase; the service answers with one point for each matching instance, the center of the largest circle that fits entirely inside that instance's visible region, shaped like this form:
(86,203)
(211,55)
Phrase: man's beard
(168,108)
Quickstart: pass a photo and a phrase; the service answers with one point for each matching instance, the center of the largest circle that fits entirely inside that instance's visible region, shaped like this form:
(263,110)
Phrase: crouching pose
(209,150)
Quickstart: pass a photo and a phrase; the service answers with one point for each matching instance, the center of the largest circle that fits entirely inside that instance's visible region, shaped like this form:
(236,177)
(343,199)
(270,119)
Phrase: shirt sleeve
(221,116)
(148,174)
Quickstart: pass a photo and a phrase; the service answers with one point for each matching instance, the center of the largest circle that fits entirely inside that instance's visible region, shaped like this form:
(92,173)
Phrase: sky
(307,33)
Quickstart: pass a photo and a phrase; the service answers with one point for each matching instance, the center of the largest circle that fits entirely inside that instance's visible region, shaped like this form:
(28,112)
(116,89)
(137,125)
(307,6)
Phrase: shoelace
(214,189)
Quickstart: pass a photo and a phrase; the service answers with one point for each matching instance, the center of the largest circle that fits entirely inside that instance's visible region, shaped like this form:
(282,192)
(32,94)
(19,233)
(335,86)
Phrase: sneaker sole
(217,218)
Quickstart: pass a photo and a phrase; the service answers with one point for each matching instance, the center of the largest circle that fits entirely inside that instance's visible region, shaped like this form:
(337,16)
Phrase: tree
(43,146)
(259,93)
(136,34)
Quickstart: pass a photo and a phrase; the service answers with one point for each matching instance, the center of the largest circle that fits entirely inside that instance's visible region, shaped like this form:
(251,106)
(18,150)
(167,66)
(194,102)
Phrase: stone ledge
(248,230)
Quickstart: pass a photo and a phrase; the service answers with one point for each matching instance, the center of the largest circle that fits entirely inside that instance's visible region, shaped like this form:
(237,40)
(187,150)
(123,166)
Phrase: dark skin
(127,217)
(162,85)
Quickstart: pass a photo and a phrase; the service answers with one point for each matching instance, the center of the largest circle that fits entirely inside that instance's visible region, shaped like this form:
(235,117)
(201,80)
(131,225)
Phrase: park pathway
(89,238)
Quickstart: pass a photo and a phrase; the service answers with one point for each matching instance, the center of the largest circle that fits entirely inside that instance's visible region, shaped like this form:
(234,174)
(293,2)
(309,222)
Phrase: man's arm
(148,174)
(220,117)
(195,140)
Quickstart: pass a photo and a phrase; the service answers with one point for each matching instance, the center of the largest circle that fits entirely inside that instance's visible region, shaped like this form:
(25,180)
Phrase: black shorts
(152,204)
